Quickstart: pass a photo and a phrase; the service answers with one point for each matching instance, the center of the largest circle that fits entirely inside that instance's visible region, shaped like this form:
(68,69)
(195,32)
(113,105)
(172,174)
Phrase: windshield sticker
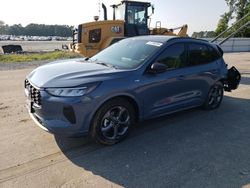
(158,44)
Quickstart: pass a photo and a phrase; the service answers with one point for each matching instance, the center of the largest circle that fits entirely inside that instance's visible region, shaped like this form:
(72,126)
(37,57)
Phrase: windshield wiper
(106,64)
(87,58)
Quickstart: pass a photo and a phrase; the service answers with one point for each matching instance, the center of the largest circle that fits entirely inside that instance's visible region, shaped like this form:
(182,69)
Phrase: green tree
(204,34)
(237,10)
(36,30)
(223,23)
(238,7)
(198,34)
(3,28)
(1,23)
(16,29)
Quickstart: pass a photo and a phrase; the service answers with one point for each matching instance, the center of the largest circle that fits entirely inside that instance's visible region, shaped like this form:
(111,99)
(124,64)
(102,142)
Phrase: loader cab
(130,18)
(135,15)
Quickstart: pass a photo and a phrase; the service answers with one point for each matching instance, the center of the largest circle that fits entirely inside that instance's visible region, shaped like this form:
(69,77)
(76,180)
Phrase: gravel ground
(36,45)
(194,148)
(31,46)
(21,65)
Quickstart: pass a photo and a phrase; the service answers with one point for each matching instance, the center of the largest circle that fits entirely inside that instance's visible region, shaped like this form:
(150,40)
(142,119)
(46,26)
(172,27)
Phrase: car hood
(70,73)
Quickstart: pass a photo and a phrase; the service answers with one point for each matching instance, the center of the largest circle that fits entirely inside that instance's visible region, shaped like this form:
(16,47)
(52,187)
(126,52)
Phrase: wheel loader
(130,18)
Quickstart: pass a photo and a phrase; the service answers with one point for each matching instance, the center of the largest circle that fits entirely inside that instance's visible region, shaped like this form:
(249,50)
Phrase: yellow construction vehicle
(130,18)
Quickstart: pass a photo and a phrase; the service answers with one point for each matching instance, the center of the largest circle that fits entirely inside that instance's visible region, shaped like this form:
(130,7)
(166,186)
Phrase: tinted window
(94,36)
(174,56)
(201,54)
(214,54)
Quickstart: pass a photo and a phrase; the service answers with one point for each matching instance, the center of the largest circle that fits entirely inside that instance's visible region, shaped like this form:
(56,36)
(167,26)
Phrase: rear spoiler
(220,50)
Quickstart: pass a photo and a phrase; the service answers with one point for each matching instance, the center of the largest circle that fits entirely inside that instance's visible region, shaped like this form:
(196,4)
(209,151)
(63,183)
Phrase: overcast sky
(198,14)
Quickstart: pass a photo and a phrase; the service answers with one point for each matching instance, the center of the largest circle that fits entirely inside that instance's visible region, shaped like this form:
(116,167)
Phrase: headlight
(67,92)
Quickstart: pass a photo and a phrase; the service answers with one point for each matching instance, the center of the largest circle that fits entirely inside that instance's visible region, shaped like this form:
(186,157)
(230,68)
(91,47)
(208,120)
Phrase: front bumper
(66,116)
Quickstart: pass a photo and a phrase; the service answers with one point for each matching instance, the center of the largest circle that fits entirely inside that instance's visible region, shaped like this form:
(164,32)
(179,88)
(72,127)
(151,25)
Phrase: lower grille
(33,93)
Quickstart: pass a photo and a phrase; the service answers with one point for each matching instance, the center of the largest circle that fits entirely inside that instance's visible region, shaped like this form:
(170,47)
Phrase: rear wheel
(112,121)
(214,97)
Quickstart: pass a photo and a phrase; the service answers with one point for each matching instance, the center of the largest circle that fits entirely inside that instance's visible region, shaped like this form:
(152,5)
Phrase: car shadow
(194,148)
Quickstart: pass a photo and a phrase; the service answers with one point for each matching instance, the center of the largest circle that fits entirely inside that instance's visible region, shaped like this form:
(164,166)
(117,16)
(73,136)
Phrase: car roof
(164,38)
(155,38)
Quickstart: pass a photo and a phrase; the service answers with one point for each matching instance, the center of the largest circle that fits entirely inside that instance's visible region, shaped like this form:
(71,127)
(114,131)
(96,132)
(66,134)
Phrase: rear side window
(174,56)
(201,54)
(214,53)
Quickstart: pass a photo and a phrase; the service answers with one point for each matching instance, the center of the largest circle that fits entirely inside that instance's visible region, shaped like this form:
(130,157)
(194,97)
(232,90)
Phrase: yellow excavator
(130,18)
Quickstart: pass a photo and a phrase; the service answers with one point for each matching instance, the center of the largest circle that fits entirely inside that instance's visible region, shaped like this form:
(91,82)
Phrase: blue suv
(132,80)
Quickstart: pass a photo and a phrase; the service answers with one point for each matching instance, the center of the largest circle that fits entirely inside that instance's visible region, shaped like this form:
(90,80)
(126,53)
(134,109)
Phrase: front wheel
(214,97)
(112,121)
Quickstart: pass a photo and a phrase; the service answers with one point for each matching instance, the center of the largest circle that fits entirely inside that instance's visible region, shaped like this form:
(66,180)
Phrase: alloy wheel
(215,96)
(115,123)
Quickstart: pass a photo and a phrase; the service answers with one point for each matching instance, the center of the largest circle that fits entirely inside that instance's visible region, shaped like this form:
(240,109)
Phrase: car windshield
(127,53)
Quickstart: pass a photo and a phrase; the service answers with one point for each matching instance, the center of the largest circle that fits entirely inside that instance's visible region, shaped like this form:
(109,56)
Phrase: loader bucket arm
(183,31)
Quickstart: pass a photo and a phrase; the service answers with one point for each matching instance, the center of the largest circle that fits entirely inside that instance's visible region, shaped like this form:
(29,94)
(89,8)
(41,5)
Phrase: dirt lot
(194,148)
(36,45)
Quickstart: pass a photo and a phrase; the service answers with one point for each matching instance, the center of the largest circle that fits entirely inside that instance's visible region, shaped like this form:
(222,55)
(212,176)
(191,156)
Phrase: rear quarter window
(215,55)
(201,54)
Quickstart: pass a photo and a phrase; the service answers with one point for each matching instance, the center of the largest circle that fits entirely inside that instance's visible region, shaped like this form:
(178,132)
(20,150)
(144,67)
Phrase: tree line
(237,9)
(36,30)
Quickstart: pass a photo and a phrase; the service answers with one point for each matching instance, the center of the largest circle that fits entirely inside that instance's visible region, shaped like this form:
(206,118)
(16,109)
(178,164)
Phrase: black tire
(214,96)
(112,121)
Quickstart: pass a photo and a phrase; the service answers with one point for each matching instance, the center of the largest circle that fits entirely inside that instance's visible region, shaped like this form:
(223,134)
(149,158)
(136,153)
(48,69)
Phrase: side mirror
(157,68)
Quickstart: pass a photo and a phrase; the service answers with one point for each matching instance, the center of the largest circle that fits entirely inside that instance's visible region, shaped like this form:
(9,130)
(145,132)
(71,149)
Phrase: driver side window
(174,56)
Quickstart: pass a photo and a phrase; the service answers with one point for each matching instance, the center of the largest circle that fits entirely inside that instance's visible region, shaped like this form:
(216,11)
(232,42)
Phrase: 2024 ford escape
(132,80)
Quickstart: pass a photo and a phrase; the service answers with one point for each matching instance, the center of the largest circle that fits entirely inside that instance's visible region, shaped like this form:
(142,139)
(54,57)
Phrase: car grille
(33,93)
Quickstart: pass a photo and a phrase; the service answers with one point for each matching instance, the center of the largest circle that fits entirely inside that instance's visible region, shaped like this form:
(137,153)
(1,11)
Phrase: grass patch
(12,58)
